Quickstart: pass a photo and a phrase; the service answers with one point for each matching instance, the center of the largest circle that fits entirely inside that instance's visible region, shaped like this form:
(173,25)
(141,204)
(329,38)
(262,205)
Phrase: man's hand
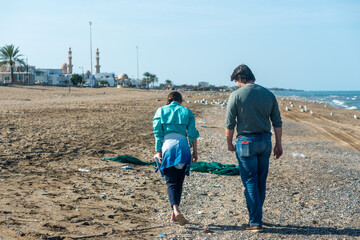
(229,138)
(195,156)
(159,155)
(278,151)
(231,147)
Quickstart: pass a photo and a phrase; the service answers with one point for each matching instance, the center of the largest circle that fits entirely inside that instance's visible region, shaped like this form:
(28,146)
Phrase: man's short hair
(243,72)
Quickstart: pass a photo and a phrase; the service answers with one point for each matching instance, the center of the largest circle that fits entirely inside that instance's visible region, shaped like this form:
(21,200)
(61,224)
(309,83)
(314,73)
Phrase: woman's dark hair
(244,73)
(174,96)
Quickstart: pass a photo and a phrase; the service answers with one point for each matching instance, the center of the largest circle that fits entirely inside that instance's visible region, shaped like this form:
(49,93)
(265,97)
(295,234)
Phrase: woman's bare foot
(178,216)
(173,218)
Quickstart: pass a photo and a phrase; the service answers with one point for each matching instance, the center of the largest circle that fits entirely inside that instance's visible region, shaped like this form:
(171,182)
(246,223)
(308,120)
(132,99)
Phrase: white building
(135,82)
(203,84)
(50,77)
(108,77)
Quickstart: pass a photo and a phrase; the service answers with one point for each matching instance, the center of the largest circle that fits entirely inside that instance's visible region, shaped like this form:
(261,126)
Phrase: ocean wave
(352,108)
(339,102)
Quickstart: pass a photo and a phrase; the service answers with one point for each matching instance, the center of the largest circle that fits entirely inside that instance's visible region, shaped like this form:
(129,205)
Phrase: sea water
(339,99)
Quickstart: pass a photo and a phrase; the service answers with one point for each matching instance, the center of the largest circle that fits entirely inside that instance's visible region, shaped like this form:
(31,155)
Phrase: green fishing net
(213,167)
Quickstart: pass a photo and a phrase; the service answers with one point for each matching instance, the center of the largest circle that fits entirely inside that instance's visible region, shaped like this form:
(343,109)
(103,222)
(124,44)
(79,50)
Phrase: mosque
(50,76)
(99,77)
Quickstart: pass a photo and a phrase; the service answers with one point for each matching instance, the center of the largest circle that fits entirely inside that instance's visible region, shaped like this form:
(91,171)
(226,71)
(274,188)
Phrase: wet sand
(55,185)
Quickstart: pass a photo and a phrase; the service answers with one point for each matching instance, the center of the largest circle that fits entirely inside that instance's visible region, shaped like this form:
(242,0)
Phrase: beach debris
(331,113)
(208,231)
(202,120)
(20,233)
(356,116)
(161,235)
(218,186)
(287,109)
(203,126)
(200,212)
(295,154)
(126,167)
(83,170)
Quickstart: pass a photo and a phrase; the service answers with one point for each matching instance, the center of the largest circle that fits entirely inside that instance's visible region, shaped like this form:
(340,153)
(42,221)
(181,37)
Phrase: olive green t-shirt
(251,108)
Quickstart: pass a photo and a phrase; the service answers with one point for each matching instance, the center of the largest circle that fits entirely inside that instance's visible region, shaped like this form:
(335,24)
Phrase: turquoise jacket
(174,118)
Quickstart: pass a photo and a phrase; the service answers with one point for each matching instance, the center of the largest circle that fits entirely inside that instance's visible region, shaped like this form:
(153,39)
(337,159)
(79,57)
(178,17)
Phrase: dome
(123,76)
(64,68)
(87,72)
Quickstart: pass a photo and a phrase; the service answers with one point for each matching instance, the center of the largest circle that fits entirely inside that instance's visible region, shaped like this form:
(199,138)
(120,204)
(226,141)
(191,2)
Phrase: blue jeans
(253,152)
(174,181)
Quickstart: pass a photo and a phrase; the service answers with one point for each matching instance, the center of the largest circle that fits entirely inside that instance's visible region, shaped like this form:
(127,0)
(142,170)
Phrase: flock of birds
(305,109)
(223,103)
(220,102)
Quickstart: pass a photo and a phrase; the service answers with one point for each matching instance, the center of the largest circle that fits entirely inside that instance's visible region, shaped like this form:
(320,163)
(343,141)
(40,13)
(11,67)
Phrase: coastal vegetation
(77,79)
(148,79)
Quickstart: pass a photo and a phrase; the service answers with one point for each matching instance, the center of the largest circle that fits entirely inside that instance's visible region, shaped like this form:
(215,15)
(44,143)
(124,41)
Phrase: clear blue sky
(308,44)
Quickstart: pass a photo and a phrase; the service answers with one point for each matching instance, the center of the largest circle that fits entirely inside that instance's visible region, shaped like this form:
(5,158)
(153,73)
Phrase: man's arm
(278,151)
(229,137)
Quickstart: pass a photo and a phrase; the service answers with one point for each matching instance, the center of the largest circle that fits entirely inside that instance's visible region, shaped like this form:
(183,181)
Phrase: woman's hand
(159,155)
(195,156)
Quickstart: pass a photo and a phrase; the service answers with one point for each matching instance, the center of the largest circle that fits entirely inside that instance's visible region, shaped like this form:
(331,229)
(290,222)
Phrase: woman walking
(175,133)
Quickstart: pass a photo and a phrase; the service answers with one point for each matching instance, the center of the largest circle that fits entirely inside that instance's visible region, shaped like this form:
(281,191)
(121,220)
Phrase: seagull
(305,108)
(311,112)
(356,116)
(287,109)
(331,113)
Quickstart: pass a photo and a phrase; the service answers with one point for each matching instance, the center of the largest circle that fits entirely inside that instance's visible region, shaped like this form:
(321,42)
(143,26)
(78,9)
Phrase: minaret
(97,65)
(69,66)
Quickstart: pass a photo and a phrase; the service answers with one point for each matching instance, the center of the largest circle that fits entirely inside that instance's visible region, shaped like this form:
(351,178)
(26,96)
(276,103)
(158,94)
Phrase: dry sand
(48,134)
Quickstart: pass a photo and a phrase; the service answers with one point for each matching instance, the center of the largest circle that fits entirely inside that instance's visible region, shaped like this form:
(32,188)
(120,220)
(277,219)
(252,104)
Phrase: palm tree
(149,78)
(10,55)
(154,79)
(168,83)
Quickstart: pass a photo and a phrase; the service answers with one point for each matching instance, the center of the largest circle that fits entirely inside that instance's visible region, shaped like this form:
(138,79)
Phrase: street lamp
(82,75)
(137,62)
(91,56)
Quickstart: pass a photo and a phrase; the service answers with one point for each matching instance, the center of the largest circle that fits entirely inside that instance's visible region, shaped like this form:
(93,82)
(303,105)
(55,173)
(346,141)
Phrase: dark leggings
(174,181)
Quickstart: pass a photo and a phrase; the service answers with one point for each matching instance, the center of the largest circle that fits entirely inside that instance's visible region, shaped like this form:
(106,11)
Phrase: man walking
(250,109)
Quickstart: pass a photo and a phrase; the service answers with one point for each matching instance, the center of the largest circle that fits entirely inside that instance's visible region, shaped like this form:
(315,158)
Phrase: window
(7,78)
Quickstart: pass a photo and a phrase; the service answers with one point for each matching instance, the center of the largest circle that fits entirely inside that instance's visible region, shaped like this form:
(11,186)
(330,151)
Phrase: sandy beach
(55,185)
